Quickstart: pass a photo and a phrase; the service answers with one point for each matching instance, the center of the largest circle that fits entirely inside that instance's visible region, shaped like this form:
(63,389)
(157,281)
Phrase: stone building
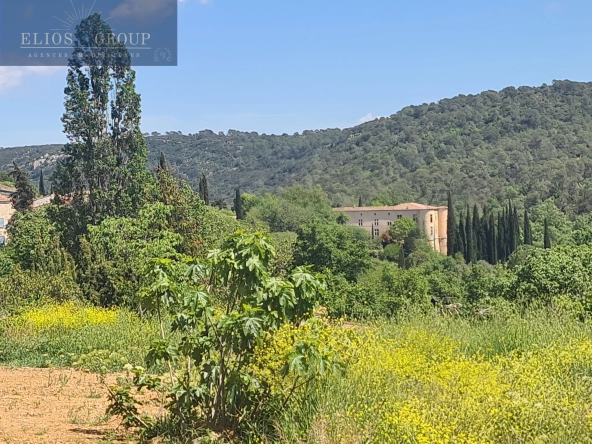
(378,220)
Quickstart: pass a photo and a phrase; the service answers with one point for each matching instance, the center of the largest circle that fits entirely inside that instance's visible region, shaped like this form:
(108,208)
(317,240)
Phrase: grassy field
(422,379)
(74,335)
(429,379)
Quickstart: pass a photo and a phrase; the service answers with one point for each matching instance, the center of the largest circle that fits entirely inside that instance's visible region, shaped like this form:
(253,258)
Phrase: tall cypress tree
(517,237)
(483,240)
(203,189)
(485,217)
(401,258)
(501,238)
(462,237)
(478,238)
(360,202)
(527,230)
(470,246)
(162,162)
(238,205)
(451,229)
(491,244)
(511,235)
(41,184)
(546,235)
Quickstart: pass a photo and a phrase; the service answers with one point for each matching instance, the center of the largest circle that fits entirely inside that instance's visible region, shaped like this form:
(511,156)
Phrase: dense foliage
(530,142)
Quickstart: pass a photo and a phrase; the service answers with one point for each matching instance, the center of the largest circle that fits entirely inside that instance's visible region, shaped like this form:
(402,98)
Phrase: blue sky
(278,66)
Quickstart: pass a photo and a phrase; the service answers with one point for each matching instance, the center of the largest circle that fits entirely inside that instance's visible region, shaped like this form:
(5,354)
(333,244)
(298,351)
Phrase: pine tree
(546,235)
(22,198)
(527,230)
(41,184)
(238,205)
(203,189)
(451,228)
(360,202)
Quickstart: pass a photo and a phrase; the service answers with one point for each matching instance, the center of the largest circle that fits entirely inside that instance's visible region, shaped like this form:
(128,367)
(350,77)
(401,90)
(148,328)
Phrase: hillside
(534,142)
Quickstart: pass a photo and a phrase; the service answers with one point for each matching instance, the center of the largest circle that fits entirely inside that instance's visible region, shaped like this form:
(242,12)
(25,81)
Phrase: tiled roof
(5,199)
(42,201)
(6,188)
(400,207)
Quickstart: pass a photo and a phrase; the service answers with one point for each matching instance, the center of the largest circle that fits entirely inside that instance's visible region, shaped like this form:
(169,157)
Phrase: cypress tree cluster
(478,236)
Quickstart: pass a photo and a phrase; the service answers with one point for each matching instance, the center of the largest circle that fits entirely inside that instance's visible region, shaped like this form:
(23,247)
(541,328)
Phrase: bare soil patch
(55,406)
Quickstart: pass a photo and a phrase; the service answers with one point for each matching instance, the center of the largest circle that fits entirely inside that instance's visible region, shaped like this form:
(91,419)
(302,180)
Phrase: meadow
(423,378)
(428,379)
(75,335)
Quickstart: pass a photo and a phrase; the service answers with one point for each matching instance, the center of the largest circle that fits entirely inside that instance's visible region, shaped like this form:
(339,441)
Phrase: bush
(24,287)
(222,312)
(343,249)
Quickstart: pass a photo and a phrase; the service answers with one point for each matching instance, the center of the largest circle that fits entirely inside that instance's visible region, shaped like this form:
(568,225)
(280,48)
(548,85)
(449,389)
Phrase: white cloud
(13,76)
(367,118)
(9,77)
(143,9)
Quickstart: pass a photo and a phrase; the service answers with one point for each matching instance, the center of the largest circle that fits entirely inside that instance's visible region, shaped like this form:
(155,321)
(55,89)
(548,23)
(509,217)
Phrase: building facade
(6,212)
(378,220)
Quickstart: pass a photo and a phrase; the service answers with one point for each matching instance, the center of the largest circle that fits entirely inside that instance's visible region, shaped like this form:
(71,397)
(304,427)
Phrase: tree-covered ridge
(533,142)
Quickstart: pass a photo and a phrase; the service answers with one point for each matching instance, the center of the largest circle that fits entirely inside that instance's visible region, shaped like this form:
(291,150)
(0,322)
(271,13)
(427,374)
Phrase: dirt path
(56,406)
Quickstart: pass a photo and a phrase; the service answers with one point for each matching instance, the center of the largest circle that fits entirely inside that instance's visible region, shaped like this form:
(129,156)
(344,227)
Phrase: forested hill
(535,142)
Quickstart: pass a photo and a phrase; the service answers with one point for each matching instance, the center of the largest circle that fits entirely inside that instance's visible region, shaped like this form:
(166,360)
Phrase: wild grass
(423,378)
(75,335)
(434,379)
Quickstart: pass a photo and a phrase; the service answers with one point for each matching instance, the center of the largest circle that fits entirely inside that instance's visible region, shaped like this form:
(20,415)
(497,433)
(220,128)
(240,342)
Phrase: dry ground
(57,406)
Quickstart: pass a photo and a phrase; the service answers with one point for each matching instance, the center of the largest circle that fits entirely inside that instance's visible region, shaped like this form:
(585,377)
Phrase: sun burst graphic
(75,16)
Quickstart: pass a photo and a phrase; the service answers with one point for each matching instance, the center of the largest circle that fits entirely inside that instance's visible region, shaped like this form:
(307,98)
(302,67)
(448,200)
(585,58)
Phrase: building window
(1,222)
(431,218)
(390,223)
(375,221)
(376,232)
(389,214)
(399,216)
(415,218)
(360,222)
(375,214)
(2,241)
(431,231)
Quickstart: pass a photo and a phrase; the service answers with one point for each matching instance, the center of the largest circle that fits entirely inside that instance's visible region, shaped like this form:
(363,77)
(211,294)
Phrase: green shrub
(25,287)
